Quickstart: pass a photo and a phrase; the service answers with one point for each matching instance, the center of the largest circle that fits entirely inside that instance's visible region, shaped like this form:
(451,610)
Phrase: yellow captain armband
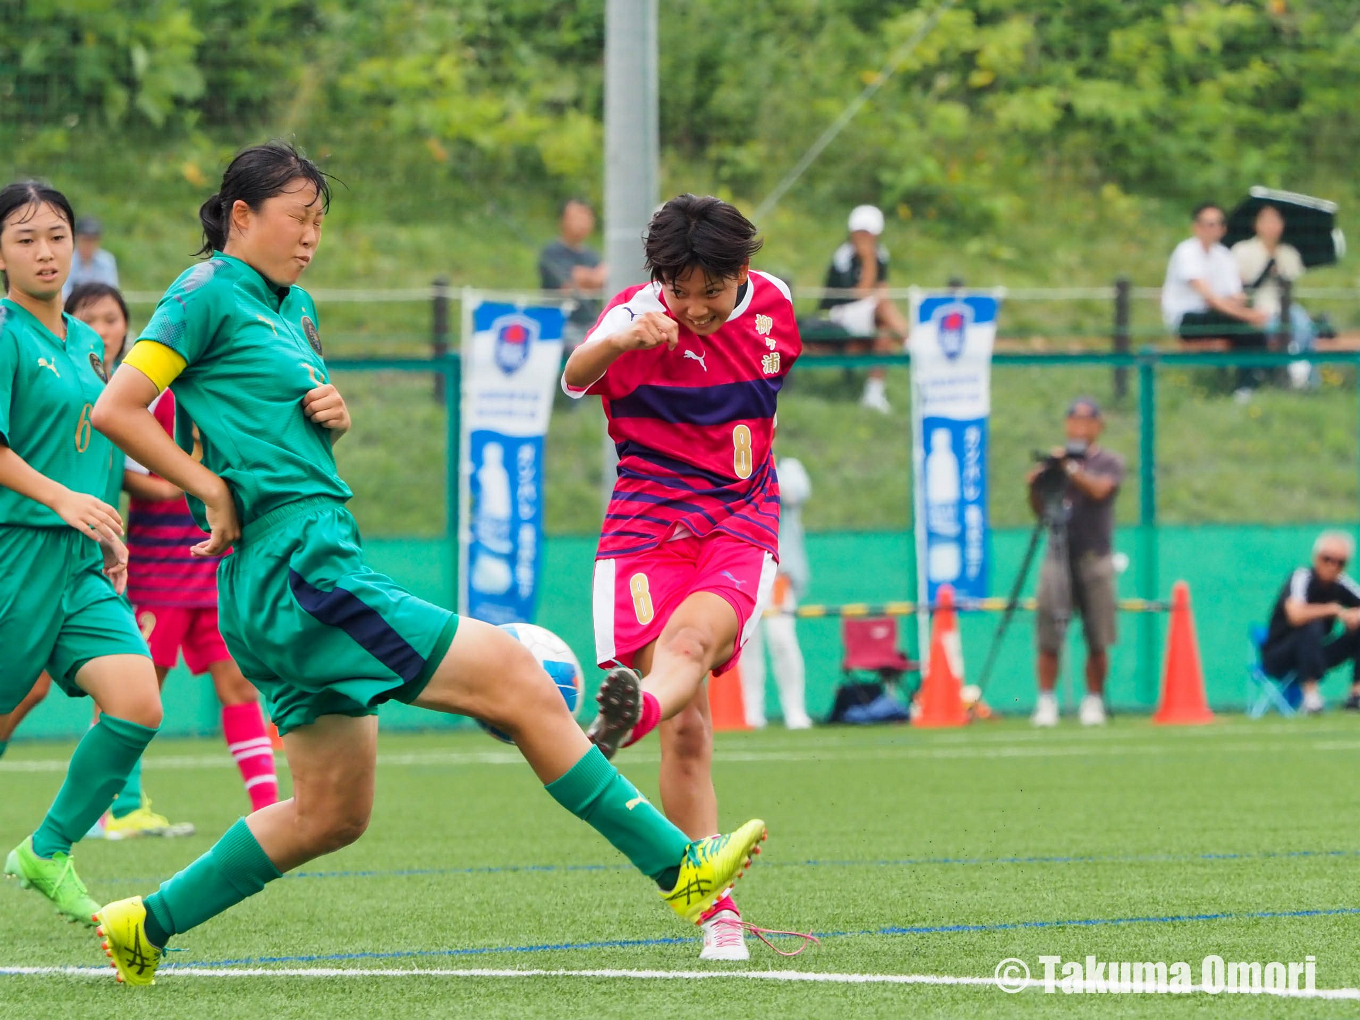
(155,361)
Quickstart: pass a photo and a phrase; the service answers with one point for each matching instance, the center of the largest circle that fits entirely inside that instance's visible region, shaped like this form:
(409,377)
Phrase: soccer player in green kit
(323,637)
(64,566)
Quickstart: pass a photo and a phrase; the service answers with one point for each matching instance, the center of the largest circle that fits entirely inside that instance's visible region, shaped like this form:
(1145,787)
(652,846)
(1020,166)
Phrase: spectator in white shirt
(89,262)
(1263,263)
(1202,297)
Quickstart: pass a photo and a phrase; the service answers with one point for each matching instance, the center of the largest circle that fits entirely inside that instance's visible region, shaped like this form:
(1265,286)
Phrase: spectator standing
(1202,298)
(781,629)
(568,266)
(90,263)
(1077,575)
(1300,638)
(1264,262)
(861,265)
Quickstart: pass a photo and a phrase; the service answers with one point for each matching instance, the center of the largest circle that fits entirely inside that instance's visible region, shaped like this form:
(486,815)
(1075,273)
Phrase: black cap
(1084,407)
(88,226)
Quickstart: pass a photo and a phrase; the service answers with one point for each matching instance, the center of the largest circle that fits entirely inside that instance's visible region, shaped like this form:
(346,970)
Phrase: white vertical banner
(952,334)
(512,357)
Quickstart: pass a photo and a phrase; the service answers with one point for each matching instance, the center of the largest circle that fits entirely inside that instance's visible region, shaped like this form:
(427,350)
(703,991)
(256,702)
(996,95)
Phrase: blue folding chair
(1267,692)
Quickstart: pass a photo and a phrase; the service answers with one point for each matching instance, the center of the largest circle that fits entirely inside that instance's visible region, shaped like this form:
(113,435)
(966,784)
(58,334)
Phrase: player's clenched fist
(651,329)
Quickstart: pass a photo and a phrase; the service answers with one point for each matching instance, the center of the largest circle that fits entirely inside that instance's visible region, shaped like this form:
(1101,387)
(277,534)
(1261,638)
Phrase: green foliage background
(1132,96)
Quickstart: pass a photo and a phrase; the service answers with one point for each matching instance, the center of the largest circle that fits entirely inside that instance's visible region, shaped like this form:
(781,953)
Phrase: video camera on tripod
(1051,480)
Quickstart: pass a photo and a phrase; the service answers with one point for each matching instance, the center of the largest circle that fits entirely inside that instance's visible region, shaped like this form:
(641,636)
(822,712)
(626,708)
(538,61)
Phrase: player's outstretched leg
(124,687)
(491,676)
(332,762)
(701,633)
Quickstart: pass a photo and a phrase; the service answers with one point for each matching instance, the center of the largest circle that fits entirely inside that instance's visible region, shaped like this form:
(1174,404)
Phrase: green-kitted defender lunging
(62,565)
(324,638)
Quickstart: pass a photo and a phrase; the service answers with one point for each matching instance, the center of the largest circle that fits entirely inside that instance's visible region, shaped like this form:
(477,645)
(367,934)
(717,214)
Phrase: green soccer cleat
(56,879)
(709,868)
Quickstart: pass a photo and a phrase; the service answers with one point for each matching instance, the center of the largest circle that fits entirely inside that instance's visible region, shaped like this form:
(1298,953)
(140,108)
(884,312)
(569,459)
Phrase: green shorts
(57,611)
(316,630)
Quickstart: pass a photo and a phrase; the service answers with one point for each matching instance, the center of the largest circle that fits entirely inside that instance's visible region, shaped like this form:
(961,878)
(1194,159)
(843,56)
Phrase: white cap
(866,217)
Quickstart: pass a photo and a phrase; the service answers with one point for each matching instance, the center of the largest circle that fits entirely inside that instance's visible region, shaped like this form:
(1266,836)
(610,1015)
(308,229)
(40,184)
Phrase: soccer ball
(560,666)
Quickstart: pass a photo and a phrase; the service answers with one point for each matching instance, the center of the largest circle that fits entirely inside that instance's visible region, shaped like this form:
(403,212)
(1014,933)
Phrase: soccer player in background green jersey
(324,638)
(63,565)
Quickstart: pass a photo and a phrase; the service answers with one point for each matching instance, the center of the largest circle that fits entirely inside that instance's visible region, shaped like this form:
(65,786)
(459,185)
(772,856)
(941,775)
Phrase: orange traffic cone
(725,700)
(941,702)
(1183,701)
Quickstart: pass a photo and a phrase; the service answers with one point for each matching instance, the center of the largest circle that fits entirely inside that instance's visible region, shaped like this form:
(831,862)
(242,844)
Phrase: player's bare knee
(690,643)
(689,738)
(337,827)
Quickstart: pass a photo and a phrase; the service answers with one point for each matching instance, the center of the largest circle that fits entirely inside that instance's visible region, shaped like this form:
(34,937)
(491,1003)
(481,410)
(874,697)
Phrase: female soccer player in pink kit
(688,367)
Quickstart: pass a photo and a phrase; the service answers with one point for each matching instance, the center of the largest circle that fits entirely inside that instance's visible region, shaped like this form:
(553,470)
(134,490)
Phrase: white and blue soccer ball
(559,664)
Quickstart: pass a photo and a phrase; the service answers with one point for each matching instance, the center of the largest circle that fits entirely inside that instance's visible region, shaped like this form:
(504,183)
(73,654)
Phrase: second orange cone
(1183,700)
(941,698)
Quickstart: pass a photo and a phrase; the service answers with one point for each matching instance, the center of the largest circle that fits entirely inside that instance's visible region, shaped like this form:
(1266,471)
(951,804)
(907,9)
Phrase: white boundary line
(758,756)
(795,976)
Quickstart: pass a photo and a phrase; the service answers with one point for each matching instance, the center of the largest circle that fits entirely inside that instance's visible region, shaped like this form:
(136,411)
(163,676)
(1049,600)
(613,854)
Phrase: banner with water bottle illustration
(952,334)
(512,358)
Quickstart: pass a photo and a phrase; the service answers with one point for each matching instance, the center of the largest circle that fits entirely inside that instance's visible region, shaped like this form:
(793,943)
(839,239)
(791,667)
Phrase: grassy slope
(912,830)
(1219,461)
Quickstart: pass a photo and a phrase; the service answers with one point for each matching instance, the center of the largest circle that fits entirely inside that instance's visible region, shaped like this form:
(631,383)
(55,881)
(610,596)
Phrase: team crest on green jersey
(97,364)
(313,337)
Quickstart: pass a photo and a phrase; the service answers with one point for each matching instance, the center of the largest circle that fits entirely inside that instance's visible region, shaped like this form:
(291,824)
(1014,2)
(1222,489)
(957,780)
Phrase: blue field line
(892,930)
(904,862)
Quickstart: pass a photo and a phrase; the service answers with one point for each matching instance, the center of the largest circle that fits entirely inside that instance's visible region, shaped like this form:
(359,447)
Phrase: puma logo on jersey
(699,358)
(44,363)
(733,578)
(639,799)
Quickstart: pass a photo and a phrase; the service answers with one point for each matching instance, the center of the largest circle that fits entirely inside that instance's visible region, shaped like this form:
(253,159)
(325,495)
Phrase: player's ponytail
(255,175)
(214,220)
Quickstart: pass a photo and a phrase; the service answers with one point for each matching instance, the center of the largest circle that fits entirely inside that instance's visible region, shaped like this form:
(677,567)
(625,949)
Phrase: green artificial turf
(991,842)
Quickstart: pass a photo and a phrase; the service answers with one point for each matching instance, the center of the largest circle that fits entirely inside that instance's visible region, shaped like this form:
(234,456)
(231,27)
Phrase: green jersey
(47,389)
(251,352)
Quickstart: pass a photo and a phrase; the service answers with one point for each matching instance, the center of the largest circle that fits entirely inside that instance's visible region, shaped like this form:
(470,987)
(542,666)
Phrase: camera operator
(1073,489)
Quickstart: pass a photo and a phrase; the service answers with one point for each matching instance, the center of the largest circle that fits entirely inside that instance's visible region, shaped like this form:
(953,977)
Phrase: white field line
(756,756)
(796,976)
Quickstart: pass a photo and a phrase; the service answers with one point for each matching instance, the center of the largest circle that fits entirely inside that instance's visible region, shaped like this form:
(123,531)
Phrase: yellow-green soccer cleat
(56,879)
(122,924)
(144,822)
(710,866)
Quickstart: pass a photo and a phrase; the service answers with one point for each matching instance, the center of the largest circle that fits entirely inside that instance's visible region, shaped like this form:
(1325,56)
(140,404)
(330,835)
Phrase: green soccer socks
(236,867)
(100,765)
(595,792)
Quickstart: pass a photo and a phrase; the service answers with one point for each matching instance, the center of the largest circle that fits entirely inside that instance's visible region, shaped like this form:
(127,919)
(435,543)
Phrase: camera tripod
(1053,520)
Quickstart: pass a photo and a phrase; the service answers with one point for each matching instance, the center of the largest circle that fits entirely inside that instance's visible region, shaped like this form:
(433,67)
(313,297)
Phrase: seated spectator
(861,265)
(1263,262)
(1202,299)
(1313,600)
(90,263)
(567,265)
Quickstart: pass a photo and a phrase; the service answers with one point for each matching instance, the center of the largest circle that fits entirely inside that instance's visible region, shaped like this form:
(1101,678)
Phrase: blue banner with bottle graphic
(952,335)
(512,357)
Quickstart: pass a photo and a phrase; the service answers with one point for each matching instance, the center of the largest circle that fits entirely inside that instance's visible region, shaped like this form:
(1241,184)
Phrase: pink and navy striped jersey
(693,426)
(161,570)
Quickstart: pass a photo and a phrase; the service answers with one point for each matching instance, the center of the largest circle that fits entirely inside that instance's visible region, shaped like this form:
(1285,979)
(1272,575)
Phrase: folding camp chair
(871,645)
(1266,691)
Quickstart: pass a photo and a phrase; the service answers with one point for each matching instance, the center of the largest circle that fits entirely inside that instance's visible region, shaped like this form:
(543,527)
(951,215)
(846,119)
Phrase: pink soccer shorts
(171,630)
(635,596)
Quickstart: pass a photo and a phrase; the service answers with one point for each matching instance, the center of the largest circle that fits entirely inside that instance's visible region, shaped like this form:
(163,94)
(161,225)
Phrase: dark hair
(1194,215)
(22,194)
(562,211)
(88,293)
(257,174)
(707,232)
